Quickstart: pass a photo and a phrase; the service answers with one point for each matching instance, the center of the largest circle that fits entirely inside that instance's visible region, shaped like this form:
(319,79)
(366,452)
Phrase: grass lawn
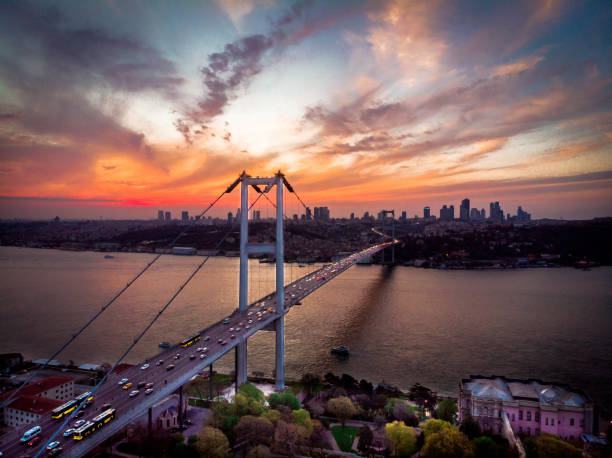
(199,386)
(346,437)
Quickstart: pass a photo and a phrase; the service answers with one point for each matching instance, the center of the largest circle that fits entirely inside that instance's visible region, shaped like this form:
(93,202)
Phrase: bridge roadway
(218,339)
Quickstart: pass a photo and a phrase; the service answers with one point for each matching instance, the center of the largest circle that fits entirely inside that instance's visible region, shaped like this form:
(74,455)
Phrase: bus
(93,425)
(30,433)
(64,409)
(194,338)
(87,396)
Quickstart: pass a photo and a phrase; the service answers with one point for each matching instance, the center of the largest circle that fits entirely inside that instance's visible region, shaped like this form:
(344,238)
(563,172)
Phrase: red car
(34,441)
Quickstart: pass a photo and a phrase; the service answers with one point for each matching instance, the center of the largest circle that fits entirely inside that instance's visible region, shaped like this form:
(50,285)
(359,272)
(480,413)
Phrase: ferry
(340,350)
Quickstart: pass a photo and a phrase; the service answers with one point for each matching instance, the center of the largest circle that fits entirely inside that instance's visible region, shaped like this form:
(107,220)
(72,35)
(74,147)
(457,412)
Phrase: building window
(571,422)
(513,417)
(528,416)
(520,414)
(528,430)
(486,411)
(520,429)
(581,423)
(537,416)
(546,421)
(499,429)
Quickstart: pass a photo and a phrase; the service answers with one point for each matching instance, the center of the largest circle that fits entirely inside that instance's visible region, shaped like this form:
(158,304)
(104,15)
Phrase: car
(206,339)
(79,423)
(169,367)
(223,342)
(192,357)
(231,329)
(134,393)
(220,341)
(80,413)
(144,366)
(248,326)
(204,349)
(249,313)
(149,385)
(68,432)
(106,406)
(241,324)
(188,422)
(249,321)
(127,386)
(148,391)
(56,451)
(160,362)
(34,441)
(141,384)
(52,445)
(123,381)
(233,336)
(227,320)
(238,329)
(177,356)
(202,356)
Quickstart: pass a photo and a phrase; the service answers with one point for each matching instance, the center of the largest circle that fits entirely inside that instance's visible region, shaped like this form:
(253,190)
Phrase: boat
(164,344)
(108,256)
(340,350)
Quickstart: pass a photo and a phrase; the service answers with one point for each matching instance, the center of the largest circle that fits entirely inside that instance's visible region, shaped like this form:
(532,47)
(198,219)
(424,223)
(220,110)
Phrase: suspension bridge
(169,370)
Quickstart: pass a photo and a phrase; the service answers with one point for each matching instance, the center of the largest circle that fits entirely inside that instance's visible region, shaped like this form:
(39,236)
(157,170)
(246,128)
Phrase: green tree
(301,417)
(470,427)
(549,446)
(243,405)
(447,443)
(312,384)
(341,408)
(434,426)
(447,410)
(366,437)
(272,415)
(285,398)
(485,447)
(252,392)
(212,442)
(401,438)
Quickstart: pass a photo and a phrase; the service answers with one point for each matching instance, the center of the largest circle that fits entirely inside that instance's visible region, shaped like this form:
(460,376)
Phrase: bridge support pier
(180,406)
(279,324)
(241,364)
(150,424)
(210,382)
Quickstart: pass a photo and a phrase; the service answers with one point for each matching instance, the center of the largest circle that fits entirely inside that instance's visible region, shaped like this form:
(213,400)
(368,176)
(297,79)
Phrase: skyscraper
(403,216)
(496,214)
(230,217)
(185,216)
(160,215)
(308,214)
(426,213)
(168,216)
(464,210)
(447,213)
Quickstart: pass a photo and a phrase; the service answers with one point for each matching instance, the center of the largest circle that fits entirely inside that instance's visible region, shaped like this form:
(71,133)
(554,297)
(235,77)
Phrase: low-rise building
(530,406)
(28,410)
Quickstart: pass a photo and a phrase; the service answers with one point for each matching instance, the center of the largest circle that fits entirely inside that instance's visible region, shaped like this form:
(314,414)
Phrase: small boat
(108,256)
(164,344)
(340,350)
(298,303)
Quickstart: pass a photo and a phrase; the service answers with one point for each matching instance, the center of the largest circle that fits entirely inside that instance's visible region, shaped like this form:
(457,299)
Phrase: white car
(123,381)
(78,423)
(52,445)
(149,391)
(68,432)
(134,393)
(144,366)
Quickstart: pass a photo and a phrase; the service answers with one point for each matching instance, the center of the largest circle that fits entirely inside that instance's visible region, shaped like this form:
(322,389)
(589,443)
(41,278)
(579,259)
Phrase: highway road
(218,339)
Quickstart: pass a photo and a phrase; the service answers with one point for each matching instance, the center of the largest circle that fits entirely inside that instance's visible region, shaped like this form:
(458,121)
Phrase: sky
(115,109)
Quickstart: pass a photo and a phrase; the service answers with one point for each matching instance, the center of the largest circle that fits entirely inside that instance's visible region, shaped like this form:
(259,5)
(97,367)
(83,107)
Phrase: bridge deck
(166,381)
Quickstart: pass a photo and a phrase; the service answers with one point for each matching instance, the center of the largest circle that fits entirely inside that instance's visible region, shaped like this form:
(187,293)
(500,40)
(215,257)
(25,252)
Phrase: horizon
(114,111)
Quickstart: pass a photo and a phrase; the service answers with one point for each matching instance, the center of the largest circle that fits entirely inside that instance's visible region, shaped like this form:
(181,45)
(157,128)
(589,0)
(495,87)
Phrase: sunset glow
(116,109)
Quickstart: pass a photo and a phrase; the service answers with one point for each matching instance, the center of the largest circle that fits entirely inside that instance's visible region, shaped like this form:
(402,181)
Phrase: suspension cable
(108,304)
(142,333)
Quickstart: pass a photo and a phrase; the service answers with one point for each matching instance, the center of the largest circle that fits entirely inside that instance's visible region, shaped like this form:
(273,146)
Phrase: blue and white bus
(30,433)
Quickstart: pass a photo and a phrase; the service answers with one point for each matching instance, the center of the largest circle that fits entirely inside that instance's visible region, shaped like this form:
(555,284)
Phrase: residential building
(529,406)
(447,213)
(29,410)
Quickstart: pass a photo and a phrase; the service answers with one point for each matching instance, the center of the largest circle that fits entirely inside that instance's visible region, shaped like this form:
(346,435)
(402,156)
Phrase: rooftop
(35,404)
(505,389)
(34,389)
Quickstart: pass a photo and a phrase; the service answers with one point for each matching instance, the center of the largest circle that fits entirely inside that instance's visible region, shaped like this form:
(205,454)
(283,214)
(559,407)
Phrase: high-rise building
(256,215)
(321,213)
(483,215)
(366,216)
(352,216)
(522,215)
(317,216)
(426,213)
(238,214)
(230,217)
(168,216)
(475,214)
(496,214)
(160,215)
(185,216)
(447,213)
(403,216)
(464,210)
(308,214)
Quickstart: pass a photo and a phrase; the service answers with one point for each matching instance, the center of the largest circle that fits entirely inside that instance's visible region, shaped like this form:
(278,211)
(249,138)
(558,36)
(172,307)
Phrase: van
(30,433)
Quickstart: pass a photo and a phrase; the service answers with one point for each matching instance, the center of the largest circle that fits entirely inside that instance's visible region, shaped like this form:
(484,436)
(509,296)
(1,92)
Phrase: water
(406,325)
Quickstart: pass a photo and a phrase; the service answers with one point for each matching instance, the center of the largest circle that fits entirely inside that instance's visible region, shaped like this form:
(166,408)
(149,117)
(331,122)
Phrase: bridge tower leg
(241,348)
(389,226)
(180,406)
(279,324)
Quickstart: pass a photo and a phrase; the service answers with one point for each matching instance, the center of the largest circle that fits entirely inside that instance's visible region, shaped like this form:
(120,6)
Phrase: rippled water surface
(402,325)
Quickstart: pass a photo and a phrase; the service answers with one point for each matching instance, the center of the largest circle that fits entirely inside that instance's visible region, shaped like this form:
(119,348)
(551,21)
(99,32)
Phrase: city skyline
(116,110)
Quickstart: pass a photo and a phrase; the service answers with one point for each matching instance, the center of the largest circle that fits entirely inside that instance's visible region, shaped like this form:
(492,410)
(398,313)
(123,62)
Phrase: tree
(401,438)
(366,387)
(447,443)
(342,408)
(412,420)
(254,430)
(549,446)
(285,438)
(260,451)
(272,415)
(485,447)
(243,405)
(435,426)
(285,398)
(301,418)
(447,410)
(332,379)
(212,442)
(312,384)
(348,382)
(380,420)
(366,437)
(470,427)
(252,392)
(422,395)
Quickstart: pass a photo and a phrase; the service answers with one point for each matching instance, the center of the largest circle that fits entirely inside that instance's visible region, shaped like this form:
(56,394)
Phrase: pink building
(530,406)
